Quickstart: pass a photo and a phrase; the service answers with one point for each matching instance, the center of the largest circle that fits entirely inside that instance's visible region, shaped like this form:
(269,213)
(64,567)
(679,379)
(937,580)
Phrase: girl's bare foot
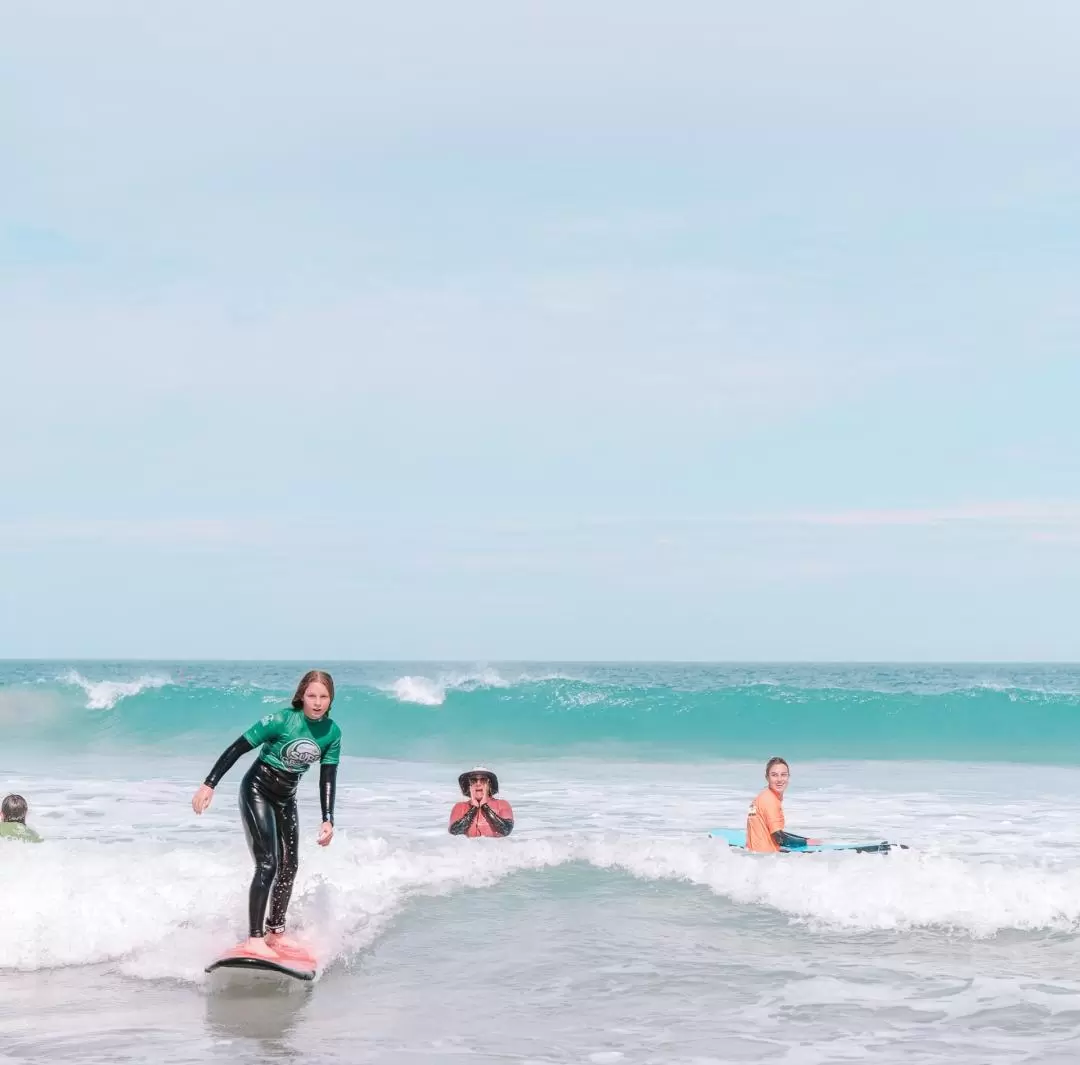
(280,941)
(260,947)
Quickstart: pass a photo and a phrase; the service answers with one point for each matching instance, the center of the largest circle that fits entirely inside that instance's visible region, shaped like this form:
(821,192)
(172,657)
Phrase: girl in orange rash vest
(765,820)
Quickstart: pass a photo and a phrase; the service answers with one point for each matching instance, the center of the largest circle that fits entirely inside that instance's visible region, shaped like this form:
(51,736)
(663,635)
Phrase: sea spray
(160,910)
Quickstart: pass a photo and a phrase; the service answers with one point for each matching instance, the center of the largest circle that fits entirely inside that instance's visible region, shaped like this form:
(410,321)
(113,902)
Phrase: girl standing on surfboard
(765,819)
(292,741)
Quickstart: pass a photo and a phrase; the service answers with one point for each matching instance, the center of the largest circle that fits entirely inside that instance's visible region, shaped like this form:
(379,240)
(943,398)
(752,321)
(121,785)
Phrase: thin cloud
(1006,513)
(165,532)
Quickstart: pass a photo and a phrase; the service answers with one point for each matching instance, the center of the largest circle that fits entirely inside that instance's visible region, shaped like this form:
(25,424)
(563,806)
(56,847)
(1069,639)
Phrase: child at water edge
(292,741)
(13,811)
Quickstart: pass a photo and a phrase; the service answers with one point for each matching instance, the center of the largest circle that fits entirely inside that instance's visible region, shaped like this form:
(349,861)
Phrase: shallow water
(609,928)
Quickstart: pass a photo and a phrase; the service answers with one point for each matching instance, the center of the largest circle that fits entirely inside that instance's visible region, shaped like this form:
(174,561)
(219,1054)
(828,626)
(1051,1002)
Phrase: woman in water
(765,821)
(482,814)
(292,741)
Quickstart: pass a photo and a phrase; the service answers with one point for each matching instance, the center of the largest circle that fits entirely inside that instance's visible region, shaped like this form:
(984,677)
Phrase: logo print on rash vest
(299,754)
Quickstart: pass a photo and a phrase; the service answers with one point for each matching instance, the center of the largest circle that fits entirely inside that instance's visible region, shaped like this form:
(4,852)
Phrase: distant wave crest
(432,691)
(437,712)
(105,694)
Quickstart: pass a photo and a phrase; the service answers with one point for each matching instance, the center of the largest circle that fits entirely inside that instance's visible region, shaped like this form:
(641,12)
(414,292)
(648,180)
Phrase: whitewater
(609,927)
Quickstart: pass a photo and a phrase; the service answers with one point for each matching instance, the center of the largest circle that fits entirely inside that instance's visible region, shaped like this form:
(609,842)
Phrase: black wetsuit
(268,810)
(500,824)
(786,839)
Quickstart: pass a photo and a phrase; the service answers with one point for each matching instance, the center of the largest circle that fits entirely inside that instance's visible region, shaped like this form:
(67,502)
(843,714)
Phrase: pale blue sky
(540,330)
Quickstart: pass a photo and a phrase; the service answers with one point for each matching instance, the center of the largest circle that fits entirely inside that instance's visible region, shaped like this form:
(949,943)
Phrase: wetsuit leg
(261,828)
(288,848)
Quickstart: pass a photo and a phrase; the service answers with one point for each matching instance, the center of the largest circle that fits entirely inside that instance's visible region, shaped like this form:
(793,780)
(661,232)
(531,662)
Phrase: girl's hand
(326,833)
(202,798)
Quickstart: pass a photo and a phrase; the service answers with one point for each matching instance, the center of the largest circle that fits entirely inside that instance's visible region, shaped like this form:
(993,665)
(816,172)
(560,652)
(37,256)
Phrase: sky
(705,331)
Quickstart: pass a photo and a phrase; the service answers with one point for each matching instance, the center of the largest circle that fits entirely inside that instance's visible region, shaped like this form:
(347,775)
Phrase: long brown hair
(310,677)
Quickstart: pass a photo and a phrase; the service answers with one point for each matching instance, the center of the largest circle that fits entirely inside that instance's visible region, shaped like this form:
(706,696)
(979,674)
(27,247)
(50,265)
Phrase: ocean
(609,928)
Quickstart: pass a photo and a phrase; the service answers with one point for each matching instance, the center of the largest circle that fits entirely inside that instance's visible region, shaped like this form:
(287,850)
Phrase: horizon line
(114,659)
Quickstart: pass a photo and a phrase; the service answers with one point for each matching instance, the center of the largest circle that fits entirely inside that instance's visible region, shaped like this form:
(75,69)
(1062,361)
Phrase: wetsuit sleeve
(327,790)
(786,839)
(463,823)
(501,825)
(238,747)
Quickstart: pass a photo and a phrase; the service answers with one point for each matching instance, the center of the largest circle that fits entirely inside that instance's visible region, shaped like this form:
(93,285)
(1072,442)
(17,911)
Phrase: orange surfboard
(298,963)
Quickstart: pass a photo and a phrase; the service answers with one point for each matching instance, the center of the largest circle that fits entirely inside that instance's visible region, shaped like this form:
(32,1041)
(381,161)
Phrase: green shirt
(292,742)
(17,830)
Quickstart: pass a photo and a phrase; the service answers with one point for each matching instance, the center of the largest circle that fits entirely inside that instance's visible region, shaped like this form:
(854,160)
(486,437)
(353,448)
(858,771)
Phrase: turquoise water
(610,928)
(432,710)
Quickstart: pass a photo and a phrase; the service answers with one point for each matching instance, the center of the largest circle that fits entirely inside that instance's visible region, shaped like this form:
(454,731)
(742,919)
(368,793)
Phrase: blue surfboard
(736,837)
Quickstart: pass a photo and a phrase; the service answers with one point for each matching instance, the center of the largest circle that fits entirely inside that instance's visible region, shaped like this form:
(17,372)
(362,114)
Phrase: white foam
(165,911)
(161,910)
(903,890)
(105,694)
(432,691)
(129,875)
(587,697)
(419,690)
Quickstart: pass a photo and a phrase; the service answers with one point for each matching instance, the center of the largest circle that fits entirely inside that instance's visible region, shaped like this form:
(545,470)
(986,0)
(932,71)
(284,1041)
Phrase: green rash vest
(17,830)
(292,742)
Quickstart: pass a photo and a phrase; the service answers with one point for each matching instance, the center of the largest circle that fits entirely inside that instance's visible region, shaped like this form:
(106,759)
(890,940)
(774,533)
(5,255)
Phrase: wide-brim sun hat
(463,780)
